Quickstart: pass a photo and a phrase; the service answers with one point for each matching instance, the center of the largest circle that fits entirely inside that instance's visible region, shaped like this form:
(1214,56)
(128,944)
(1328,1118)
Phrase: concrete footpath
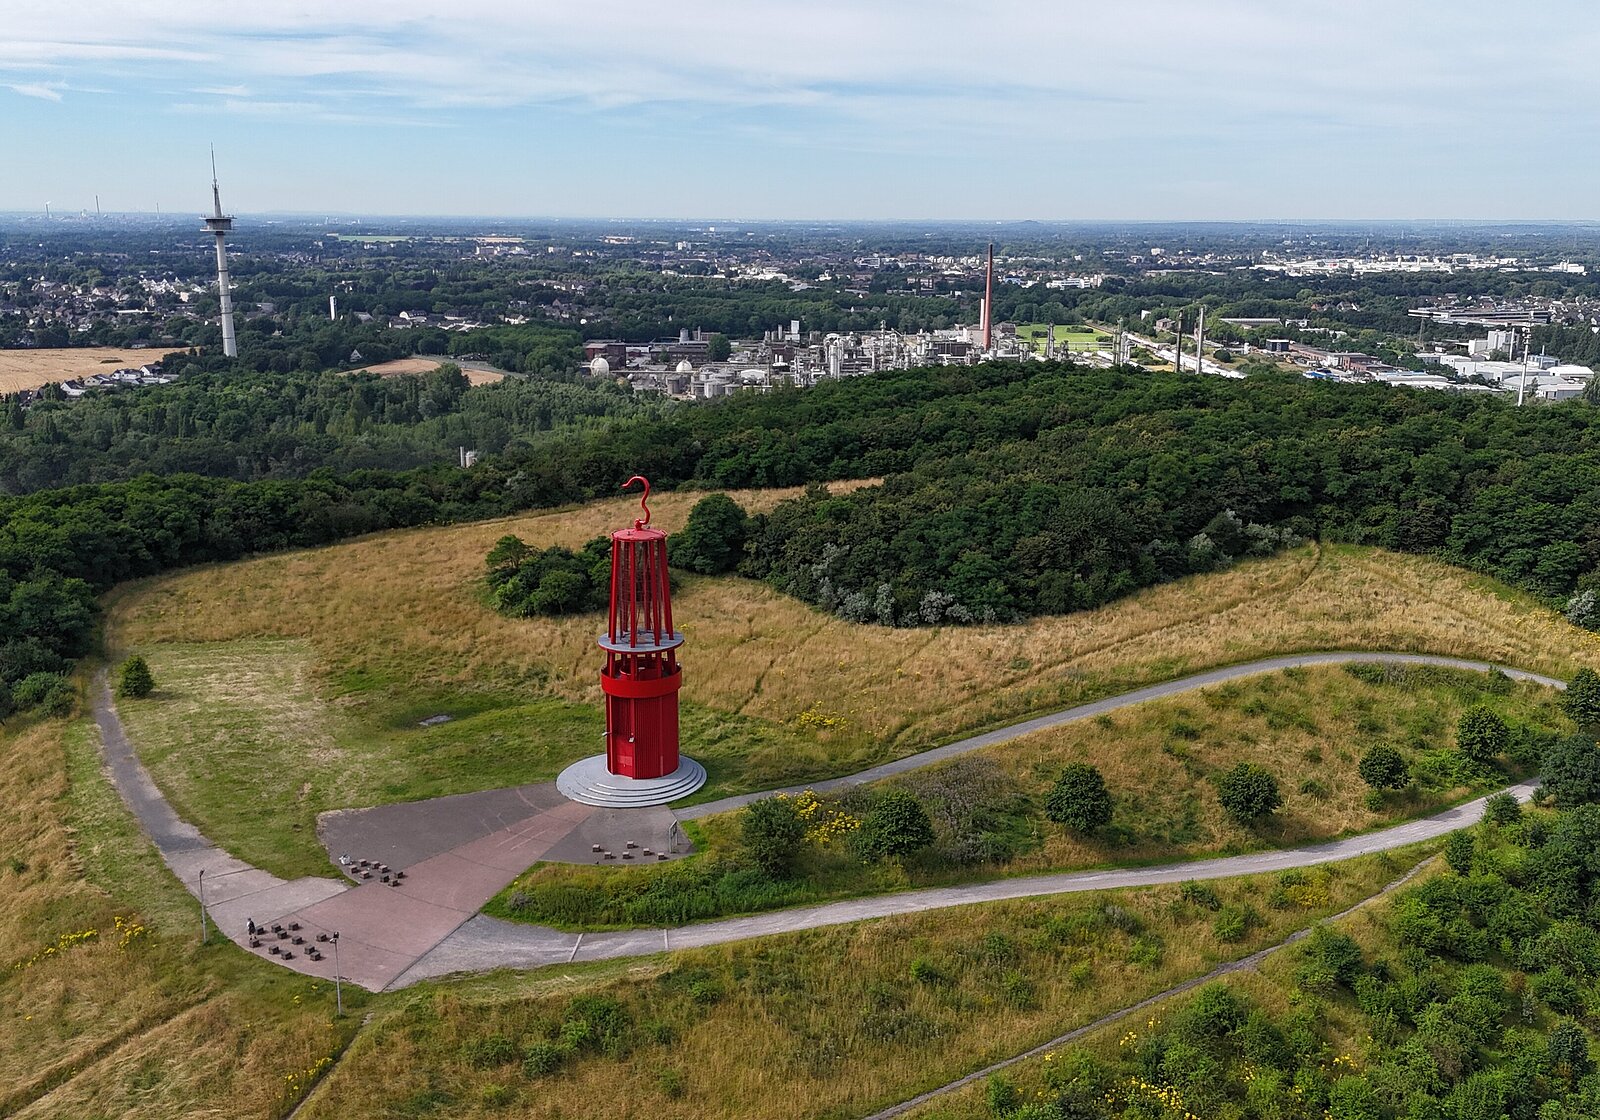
(458,852)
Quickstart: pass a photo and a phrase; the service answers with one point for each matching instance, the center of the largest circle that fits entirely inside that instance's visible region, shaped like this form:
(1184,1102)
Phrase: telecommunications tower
(640,679)
(220,224)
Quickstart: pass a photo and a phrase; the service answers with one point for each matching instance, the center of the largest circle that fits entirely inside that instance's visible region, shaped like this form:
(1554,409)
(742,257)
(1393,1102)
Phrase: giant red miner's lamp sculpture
(640,680)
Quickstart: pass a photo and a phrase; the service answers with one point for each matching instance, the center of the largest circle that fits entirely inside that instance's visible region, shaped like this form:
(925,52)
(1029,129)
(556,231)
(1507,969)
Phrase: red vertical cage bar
(641,676)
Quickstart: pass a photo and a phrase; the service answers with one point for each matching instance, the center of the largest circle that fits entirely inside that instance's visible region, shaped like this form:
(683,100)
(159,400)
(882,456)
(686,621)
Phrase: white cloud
(32,89)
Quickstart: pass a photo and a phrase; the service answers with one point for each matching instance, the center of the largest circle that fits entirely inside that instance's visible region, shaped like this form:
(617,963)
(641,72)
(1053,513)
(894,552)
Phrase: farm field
(402,366)
(32,369)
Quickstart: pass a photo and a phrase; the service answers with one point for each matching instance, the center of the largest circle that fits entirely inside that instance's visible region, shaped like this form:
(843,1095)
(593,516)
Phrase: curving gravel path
(481,943)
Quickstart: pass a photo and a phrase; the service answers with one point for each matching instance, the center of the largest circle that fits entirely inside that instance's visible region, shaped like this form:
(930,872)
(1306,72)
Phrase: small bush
(1000,1095)
(1581,701)
(1382,767)
(1482,735)
(896,826)
(1079,799)
(1502,809)
(1018,990)
(923,971)
(498,1096)
(541,1058)
(1146,951)
(134,680)
(1248,792)
(1316,790)
(1201,894)
(48,694)
(486,1053)
(1458,852)
(1571,771)
(1121,919)
(1234,923)
(771,834)
(670,1082)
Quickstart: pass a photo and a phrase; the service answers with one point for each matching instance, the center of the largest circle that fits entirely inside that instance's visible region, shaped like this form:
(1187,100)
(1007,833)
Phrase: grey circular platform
(590,783)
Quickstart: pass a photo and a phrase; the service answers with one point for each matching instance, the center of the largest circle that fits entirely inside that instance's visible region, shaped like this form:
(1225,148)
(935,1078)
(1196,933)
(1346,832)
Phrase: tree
(1383,767)
(1079,799)
(1481,735)
(135,680)
(897,825)
(508,554)
(713,540)
(772,833)
(718,348)
(1571,771)
(1581,701)
(1248,792)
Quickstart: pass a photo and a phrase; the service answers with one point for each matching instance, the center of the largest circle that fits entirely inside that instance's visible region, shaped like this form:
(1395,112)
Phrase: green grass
(1067,337)
(250,744)
(828,1022)
(1161,760)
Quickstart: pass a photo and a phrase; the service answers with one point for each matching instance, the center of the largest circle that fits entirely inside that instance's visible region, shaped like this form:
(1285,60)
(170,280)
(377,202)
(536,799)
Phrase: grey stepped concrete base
(589,783)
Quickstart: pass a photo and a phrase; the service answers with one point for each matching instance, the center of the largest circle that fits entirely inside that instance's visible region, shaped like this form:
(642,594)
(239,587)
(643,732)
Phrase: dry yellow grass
(408,606)
(133,1018)
(30,369)
(830,1022)
(400,366)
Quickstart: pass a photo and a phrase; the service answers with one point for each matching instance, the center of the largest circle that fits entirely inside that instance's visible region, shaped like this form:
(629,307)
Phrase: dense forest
(262,425)
(1009,490)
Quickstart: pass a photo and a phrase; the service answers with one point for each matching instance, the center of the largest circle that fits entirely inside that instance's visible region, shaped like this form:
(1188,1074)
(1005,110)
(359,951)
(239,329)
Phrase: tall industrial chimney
(988,302)
(219,224)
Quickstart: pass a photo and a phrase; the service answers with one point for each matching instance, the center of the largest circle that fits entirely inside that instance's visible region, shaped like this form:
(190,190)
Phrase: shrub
(772,833)
(1018,990)
(497,1096)
(1458,850)
(1000,1095)
(135,680)
(485,1053)
(1311,787)
(1079,799)
(1581,701)
(1502,809)
(1248,792)
(1571,771)
(49,694)
(1233,923)
(1383,767)
(670,1082)
(897,825)
(1374,801)
(924,971)
(1201,894)
(541,1058)
(1481,735)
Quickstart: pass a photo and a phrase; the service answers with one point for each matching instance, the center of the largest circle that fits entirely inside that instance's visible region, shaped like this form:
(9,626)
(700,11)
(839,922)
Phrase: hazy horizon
(1357,111)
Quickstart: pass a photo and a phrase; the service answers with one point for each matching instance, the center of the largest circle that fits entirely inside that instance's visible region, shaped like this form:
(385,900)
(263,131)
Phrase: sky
(833,109)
